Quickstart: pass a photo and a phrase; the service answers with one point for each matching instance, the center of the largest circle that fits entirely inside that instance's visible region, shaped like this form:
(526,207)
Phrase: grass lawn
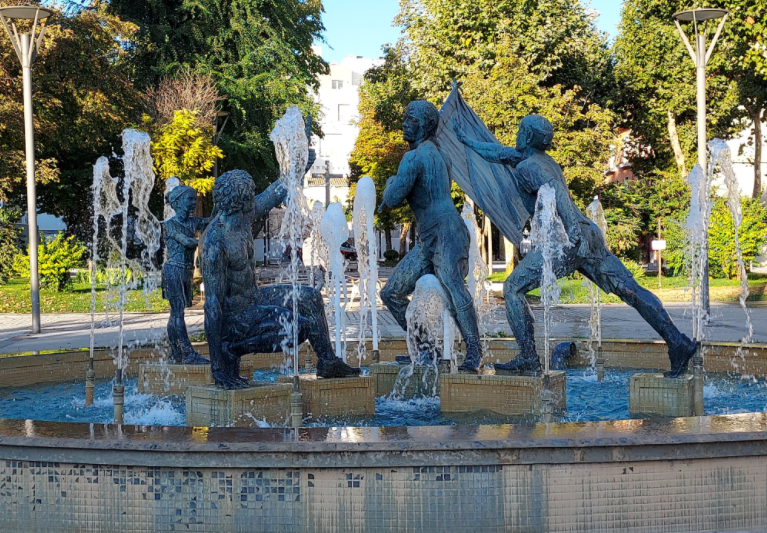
(673,289)
(14,298)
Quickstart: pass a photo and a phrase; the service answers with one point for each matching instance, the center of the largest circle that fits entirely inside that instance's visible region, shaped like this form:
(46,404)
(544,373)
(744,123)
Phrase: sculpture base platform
(505,395)
(655,395)
(335,397)
(162,380)
(424,380)
(214,407)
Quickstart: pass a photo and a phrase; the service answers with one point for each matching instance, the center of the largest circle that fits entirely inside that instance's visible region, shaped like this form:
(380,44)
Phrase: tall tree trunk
(403,239)
(673,136)
(757,118)
(387,234)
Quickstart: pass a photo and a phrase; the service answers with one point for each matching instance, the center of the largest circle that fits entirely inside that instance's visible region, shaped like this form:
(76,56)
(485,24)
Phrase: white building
(338,95)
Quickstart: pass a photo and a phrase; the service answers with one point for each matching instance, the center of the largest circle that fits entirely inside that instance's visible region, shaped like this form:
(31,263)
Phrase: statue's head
(182,199)
(535,132)
(234,191)
(421,121)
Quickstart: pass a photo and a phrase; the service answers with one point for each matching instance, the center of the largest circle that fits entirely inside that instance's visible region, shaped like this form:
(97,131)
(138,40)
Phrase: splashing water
(168,211)
(479,288)
(292,148)
(697,243)
(596,214)
(549,238)
(367,264)
(430,332)
(335,232)
(720,155)
(126,198)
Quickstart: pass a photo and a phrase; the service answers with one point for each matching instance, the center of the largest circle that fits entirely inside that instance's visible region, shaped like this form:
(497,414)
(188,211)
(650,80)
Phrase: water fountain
(596,214)
(291,146)
(335,232)
(113,198)
(367,263)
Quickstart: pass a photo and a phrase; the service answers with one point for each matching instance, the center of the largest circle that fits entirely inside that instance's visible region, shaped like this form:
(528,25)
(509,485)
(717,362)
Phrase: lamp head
(27,12)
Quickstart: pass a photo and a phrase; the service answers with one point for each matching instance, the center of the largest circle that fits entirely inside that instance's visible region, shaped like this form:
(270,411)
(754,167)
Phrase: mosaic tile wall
(692,495)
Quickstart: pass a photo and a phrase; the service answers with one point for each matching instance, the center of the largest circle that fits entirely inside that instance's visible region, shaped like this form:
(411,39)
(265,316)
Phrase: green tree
(752,234)
(557,39)
(258,52)
(83,98)
(656,77)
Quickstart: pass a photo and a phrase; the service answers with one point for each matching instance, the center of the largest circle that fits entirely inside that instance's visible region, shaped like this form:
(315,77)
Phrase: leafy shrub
(107,276)
(391,255)
(635,268)
(55,259)
(8,247)
(722,256)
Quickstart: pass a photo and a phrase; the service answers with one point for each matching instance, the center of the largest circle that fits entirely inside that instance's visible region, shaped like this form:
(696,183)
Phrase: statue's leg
(173,291)
(189,354)
(523,279)
(451,266)
(402,282)
(611,276)
(311,309)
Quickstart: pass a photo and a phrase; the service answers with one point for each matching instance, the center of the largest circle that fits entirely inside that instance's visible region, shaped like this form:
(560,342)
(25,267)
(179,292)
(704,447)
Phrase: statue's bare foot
(335,368)
(520,366)
(228,381)
(193,358)
(680,358)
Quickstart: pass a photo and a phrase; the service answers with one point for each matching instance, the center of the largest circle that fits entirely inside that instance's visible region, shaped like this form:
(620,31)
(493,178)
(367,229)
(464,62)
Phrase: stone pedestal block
(263,402)
(424,380)
(335,397)
(162,380)
(655,395)
(505,395)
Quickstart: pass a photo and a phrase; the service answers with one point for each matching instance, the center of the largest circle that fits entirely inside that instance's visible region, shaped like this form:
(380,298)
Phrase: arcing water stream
(292,148)
(550,241)
(367,260)
(596,214)
(335,232)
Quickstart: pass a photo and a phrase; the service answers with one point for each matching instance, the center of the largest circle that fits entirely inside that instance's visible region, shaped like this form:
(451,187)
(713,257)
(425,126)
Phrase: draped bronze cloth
(491,186)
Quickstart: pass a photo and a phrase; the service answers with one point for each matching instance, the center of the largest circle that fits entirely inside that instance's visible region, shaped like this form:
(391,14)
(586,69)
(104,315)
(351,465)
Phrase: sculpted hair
(428,112)
(230,189)
(176,193)
(542,129)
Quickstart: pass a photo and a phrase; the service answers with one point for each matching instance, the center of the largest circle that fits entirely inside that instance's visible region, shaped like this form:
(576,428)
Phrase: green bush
(8,247)
(391,255)
(108,276)
(722,256)
(55,259)
(635,268)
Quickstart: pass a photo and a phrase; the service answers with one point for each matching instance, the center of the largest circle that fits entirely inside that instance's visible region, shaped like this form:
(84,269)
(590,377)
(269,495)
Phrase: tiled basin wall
(526,485)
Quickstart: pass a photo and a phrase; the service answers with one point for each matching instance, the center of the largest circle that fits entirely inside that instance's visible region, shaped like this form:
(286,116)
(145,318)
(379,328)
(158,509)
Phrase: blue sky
(361,27)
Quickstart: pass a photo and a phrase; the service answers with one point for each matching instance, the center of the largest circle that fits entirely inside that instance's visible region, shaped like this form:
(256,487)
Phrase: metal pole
(660,268)
(29,136)
(327,183)
(700,64)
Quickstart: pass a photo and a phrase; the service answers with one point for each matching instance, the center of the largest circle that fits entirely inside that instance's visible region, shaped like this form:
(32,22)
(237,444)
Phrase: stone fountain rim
(573,442)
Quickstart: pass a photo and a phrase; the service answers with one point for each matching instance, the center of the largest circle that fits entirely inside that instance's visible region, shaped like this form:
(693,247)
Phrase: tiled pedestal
(505,395)
(385,376)
(213,407)
(335,397)
(655,395)
(162,380)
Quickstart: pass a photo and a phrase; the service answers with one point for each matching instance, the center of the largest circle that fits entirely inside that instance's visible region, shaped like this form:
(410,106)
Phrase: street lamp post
(26,47)
(701,56)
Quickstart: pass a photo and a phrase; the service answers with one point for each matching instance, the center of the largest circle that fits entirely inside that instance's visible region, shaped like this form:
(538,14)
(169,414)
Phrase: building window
(344,115)
(338,84)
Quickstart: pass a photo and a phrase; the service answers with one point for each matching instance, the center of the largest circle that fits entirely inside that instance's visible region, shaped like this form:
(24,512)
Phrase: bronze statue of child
(179,234)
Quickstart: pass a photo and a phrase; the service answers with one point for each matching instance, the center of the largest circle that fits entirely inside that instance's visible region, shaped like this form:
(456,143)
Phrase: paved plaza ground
(72,331)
